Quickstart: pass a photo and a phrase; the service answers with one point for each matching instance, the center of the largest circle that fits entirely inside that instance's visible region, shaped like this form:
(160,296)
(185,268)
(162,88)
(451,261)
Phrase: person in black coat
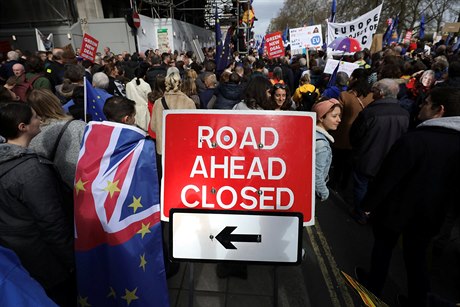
(229,93)
(34,223)
(372,134)
(416,187)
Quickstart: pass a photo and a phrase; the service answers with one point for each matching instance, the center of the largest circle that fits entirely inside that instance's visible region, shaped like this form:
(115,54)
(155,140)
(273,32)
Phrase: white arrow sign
(236,236)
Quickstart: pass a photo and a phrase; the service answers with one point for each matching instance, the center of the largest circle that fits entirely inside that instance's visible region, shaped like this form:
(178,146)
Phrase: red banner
(274,45)
(89,47)
(227,160)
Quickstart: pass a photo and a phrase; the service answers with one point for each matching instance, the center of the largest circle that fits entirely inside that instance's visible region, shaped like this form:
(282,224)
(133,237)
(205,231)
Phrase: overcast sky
(265,10)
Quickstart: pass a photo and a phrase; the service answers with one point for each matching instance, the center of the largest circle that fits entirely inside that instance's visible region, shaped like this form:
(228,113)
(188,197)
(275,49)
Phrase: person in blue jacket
(328,115)
(17,288)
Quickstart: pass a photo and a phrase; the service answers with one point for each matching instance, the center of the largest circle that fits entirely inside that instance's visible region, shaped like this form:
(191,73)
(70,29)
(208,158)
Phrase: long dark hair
(359,82)
(287,103)
(256,94)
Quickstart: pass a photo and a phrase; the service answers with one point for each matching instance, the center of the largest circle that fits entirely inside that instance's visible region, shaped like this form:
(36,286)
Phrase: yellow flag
(369,299)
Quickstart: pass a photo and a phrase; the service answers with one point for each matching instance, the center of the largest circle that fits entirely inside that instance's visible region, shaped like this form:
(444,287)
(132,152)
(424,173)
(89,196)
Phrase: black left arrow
(225,237)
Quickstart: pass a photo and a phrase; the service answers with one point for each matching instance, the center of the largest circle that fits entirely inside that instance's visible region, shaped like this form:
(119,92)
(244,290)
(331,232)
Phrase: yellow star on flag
(130,296)
(83,301)
(80,186)
(112,293)
(98,97)
(144,230)
(136,203)
(112,187)
(143,262)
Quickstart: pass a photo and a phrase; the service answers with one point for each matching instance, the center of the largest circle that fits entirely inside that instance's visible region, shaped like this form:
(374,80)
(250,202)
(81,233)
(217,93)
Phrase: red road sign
(236,160)
(136,20)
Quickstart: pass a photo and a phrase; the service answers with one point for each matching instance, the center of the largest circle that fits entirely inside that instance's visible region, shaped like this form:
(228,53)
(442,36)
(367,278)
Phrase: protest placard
(89,47)
(274,45)
(346,67)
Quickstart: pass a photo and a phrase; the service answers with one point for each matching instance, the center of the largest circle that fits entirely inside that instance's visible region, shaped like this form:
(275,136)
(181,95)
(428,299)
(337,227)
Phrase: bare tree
(296,13)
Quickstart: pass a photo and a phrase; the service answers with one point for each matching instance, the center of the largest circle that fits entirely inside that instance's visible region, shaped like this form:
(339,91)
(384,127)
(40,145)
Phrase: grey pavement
(256,291)
(336,243)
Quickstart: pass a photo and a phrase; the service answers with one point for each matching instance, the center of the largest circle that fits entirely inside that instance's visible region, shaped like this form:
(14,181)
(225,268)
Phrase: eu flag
(393,29)
(94,101)
(285,34)
(422,27)
(333,10)
(261,47)
(226,54)
(333,77)
(218,37)
(118,239)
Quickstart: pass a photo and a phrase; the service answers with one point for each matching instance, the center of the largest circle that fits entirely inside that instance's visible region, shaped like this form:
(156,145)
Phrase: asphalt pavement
(334,244)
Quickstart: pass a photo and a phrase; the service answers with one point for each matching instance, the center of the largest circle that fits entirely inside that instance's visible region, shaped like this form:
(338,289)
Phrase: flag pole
(85,99)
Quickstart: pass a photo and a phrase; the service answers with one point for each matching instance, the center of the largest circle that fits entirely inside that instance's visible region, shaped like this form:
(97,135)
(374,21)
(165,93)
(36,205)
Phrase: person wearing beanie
(328,115)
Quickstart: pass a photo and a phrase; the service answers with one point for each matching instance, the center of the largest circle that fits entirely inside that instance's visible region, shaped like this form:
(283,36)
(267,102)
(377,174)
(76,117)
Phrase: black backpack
(308,100)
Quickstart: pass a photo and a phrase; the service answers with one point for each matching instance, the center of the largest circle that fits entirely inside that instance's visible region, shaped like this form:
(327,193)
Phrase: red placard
(89,47)
(274,45)
(247,160)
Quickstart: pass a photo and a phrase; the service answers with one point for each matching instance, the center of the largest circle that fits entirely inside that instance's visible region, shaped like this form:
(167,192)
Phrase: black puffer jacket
(33,222)
(228,95)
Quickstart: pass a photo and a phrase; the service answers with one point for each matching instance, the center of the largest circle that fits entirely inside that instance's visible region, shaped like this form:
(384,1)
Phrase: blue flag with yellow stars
(218,37)
(118,238)
(94,101)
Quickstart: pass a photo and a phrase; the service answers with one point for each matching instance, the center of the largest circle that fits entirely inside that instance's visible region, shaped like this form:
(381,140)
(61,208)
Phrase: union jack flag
(118,240)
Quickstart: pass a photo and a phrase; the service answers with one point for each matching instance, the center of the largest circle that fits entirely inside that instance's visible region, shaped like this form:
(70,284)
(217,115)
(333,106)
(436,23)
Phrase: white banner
(362,28)
(44,43)
(346,67)
(306,37)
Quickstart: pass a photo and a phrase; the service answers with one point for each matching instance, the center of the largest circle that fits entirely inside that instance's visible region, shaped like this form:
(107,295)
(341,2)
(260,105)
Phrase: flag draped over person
(118,239)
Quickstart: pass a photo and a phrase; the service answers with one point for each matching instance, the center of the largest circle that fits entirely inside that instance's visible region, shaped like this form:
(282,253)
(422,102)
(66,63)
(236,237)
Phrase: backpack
(308,100)
(22,89)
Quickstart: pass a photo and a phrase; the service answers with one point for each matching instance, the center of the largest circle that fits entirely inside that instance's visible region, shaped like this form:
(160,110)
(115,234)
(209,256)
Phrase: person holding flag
(118,238)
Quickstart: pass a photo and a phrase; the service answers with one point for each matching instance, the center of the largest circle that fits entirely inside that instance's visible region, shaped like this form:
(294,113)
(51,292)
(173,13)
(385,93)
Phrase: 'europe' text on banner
(362,28)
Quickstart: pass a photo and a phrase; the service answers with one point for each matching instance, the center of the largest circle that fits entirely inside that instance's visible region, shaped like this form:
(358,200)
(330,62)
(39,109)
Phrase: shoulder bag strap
(163,101)
(56,144)
(360,102)
(34,78)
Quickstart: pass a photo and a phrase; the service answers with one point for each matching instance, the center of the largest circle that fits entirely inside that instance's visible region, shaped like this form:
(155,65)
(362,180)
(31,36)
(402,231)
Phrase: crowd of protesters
(389,133)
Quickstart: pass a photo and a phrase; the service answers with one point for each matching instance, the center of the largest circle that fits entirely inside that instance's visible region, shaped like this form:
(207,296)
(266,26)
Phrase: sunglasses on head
(279,85)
